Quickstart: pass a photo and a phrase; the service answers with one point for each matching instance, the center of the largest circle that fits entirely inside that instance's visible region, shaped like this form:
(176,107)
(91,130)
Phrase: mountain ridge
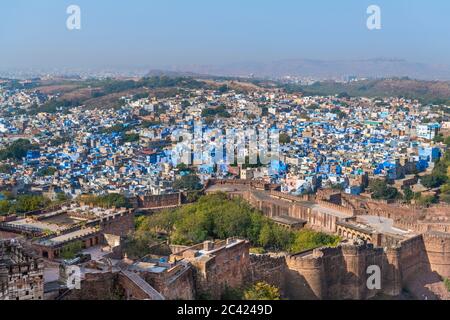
(325,69)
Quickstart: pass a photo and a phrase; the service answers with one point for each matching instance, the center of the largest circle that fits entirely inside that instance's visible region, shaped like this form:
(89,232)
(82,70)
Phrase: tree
(285,138)
(220,111)
(185,104)
(189,182)
(182,167)
(70,250)
(447,141)
(6,168)
(46,172)
(408,194)
(217,217)
(61,197)
(447,284)
(112,200)
(340,114)
(427,200)
(262,291)
(132,137)
(142,244)
(5,207)
(308,239)
(223,89)
(445,197)
(193,196)
(266,236)
(29,203)
(439,138)
(381,190)
(17,150)
(433,181)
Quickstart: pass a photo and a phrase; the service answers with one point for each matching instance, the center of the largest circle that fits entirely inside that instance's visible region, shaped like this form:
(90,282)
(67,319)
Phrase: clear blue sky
(180,32)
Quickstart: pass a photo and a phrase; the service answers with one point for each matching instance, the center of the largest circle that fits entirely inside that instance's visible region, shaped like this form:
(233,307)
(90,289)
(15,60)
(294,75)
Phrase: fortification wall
(119,226)
(392,278)
(272,270)
(175,284)
(226,268)
(340,273)
(99,286)
(288,197)
(336,207)
(157,201)
(437,248)
(305,276)
(131,290)
(357,260)
(412,258)
(267,207)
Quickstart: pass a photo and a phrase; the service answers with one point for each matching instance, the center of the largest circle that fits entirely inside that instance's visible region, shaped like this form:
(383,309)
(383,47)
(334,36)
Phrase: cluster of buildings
(21,273)
(327,143)
(411,251)
(333,142)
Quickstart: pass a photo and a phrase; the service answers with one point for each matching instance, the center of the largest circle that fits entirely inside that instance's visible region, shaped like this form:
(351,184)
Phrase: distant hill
(437,92)
(332,69)
(107,93)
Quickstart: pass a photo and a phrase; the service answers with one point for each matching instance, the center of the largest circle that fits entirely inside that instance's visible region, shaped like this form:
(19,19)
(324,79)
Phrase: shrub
(262,291)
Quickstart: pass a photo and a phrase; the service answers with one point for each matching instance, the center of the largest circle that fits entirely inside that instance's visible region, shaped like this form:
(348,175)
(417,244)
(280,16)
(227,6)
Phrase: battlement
(438,236)
(337,207)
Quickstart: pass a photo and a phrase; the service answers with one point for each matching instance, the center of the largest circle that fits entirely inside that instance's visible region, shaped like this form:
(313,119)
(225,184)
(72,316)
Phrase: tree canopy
(217,217)
(189,182)
(262,291)
(16,150)
(112,200)
(382,191)
(23,204)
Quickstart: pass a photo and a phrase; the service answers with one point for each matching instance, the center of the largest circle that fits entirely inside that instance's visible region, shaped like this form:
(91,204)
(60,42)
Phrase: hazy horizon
(174,33)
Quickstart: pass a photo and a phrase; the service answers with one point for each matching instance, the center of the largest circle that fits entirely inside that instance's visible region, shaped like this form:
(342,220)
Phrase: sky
(161,33)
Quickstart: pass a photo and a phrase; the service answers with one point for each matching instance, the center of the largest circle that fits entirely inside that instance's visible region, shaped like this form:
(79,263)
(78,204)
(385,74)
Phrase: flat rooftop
(62,219)
(66,237)
(148,267)
(34,224)
(383,225)
(357,226)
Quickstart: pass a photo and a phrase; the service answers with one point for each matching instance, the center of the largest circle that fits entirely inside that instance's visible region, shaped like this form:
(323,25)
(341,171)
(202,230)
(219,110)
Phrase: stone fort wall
(272,270)
(437,249)
(157,201)
(175,284)
(334,273)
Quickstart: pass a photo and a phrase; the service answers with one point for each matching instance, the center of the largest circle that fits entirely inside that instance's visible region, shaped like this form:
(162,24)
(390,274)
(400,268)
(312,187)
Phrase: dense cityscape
(224,159)
(95,187)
